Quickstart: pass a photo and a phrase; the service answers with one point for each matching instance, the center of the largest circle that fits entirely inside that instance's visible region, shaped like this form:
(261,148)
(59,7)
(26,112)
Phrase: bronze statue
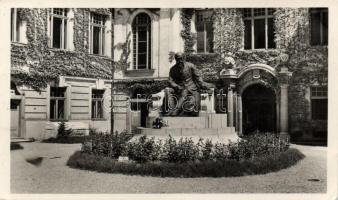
(186,83)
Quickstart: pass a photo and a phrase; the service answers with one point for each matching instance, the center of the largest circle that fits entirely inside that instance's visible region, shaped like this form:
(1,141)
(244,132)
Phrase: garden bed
(258,153)
(208,168)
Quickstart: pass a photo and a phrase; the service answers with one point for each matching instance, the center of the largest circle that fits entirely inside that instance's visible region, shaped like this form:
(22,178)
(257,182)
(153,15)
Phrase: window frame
(321,11)
(135,42)
(102,34)
(252,19)
(57,99)
(63,36)
(16,23)
(94,115)
(205,21)
(317,96)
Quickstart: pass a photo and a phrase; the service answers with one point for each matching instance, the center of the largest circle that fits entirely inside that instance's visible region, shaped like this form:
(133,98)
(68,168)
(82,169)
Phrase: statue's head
(179,57)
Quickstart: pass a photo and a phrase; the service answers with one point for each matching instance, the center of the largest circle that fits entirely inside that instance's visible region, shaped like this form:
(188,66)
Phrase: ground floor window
(57,103)
(97,104)
(319,102)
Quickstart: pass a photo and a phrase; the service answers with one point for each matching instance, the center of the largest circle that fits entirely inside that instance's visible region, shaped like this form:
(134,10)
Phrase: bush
(218,168)
(16,146)
(66,140)
(106,144)
(184,150)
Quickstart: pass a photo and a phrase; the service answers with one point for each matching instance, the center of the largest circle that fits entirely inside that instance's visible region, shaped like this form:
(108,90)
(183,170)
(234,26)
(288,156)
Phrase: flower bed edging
(227,168)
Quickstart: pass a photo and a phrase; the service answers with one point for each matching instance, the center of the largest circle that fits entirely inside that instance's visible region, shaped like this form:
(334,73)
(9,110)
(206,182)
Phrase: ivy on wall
(141,86)
(308,64)
(35,64)
(188,37)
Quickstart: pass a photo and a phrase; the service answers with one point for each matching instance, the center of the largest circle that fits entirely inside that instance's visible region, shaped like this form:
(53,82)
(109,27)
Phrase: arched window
(141,28)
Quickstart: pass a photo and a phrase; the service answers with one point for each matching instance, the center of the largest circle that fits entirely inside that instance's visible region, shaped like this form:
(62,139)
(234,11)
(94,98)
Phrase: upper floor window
(97,33)
(97,104)
(259,28)
(16,26)
(58,28)
(57,103)
(204,31)
(319,26)
(141,29)
(319,102)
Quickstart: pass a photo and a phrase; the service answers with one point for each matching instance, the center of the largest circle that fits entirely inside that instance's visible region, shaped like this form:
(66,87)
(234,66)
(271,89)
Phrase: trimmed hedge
(16,146)
(209,168)
(66,140)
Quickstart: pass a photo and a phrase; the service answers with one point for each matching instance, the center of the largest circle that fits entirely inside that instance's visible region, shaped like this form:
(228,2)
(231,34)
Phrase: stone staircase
(207,126)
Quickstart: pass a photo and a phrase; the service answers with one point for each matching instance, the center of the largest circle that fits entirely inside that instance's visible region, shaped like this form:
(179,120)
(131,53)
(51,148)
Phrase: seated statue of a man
(186,83)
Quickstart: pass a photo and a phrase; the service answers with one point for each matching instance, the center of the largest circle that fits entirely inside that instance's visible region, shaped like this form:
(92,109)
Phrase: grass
(227,168)
(16,146)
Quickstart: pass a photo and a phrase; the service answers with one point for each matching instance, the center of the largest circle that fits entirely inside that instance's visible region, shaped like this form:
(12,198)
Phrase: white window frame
(15,30)
(94,115)
(321,34)
(101,25)
(63,18)
(205,21)
(135,46)
(252,18)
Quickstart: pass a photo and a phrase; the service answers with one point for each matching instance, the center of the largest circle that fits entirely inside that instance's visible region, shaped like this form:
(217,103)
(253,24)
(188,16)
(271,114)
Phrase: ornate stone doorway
(259,109)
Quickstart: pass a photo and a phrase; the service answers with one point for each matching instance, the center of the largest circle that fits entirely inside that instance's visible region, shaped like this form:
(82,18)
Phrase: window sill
(138,72)
(97,119)
(98,55)
(19,43)
(58,120)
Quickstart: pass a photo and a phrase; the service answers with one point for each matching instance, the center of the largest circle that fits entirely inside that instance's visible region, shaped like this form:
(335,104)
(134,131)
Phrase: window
(141,29)
(319,26)
(16,23)
(319,102)
(97,104)
(58,28)
(204,31)
(57,103)
(259,28)
(97,33)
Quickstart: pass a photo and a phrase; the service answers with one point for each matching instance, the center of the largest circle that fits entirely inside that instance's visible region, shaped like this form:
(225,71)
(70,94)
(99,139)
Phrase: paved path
(53,176)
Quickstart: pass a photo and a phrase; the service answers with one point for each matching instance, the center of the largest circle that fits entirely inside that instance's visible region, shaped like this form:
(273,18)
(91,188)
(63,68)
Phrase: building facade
(269,66)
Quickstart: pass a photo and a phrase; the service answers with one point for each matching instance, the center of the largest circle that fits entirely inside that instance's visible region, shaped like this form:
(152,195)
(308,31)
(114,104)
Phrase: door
(15,118)
(259,109)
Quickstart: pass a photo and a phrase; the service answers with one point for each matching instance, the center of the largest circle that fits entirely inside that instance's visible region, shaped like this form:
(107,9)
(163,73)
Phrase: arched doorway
(259,109)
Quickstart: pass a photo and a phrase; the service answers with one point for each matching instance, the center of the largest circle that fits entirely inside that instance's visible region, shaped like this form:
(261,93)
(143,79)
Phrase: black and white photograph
(192,99)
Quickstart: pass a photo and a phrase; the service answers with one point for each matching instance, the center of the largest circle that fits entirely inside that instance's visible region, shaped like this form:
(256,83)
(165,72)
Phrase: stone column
(240,116)
(230,107)
(284,109)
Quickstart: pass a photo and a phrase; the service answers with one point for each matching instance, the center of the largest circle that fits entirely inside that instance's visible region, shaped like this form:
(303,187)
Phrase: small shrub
(63,130)
(143,150)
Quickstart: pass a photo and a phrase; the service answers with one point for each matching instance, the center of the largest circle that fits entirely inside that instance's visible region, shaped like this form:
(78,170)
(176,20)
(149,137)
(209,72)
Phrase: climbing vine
(35,64)
(188,37)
